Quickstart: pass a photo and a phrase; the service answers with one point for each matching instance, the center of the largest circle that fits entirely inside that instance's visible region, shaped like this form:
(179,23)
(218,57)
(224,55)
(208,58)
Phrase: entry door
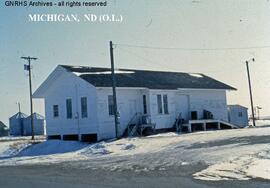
(182,106)
(132,108)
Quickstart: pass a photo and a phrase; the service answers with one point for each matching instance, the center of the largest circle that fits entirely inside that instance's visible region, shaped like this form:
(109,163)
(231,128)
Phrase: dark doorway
(194,115)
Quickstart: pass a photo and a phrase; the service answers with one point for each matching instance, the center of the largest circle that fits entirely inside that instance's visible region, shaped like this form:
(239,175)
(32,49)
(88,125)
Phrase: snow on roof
(196,75)
(105,72)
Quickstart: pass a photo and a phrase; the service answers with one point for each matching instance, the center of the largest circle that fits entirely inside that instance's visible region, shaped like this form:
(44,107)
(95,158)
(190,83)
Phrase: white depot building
(79,102)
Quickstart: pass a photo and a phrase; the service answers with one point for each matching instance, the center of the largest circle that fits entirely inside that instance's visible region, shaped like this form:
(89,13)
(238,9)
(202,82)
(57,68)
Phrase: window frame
(144,104)
(159,104)
(110,105)
(84,108)
(240,114)
(165,104)
(69,108)
(55,111)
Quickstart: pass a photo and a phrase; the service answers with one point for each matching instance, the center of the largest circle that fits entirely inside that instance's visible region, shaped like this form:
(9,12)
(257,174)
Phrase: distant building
(16,124)
(20,124)
(3,129)
(238,115)
(38,125)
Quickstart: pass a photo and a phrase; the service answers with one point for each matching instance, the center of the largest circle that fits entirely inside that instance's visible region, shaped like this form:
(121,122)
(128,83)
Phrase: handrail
(133,117)
(177,126)
(138,116)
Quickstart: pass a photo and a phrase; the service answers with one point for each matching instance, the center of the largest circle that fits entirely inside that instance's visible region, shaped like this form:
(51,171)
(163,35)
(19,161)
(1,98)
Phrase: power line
(146,60)
(191,49)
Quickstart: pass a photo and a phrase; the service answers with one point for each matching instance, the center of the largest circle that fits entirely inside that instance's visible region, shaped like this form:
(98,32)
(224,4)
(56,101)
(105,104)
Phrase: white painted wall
(212,100)
(67,86)
(129,102)
(162,120)
(188,100)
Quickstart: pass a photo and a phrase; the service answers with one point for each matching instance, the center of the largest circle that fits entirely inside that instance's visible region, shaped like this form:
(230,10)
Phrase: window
(55,111)
(144,105)
(84,112)
(240,114)
(69,108)
(165,104)
(159,104)
(110,105)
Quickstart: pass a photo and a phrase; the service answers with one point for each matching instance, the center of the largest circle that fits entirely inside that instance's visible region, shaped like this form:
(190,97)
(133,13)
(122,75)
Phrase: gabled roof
(2,125)
(101,77)
(19,115)
(36,116)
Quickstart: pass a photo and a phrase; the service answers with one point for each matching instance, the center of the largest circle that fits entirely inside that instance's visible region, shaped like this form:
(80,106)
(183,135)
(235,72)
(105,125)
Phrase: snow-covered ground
(12,146)
(230,154)
(262,123)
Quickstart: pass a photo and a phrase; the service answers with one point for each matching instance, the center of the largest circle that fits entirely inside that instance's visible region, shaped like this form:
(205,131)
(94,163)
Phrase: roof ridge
(129,69)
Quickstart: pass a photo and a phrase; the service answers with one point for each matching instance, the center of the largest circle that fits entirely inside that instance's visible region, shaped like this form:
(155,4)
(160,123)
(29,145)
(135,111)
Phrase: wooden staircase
(137,125)
(133,130)
(178,123)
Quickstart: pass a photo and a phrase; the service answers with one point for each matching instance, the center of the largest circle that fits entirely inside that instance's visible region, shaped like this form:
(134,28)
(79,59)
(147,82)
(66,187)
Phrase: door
(182,106)
(132,108)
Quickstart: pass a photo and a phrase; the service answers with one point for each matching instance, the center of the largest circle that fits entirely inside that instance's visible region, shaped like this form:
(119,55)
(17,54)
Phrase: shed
(238,115)
(3,129)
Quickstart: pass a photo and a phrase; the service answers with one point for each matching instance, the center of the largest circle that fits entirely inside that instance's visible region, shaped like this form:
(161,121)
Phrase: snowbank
(10,149)
(260,168)
(99,148)
(242,168)
(128,146)
(260,123)
(16,138)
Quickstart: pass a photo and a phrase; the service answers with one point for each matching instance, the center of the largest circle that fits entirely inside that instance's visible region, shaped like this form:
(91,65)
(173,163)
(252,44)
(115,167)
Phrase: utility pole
(115,111)
(250,91)
(27,67)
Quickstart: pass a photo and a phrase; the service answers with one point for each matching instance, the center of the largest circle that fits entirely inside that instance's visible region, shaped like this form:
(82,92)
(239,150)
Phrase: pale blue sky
(172,23)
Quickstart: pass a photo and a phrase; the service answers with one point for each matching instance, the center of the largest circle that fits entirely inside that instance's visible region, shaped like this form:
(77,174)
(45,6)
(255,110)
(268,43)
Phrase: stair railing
(131,122)
(178,122)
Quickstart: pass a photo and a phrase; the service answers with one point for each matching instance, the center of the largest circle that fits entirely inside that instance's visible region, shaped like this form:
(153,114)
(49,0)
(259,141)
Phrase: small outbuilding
(3,129)
(16,124)
(238,115)
(20,124)
(38,125)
